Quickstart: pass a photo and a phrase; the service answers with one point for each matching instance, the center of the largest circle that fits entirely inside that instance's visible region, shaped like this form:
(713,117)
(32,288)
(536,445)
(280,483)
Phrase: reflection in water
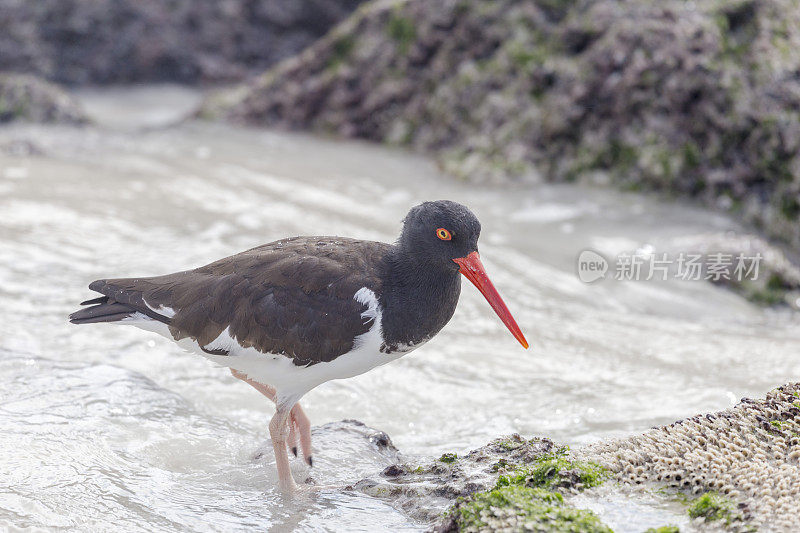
(111,426)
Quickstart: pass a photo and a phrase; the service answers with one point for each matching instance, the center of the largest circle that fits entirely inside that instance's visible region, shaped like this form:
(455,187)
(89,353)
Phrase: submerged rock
(20,148)
(29,98)
(690,98)
(510,482)
(519,508)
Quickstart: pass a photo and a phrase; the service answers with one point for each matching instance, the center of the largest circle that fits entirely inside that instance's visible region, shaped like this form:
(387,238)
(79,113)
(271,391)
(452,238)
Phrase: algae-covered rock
(423,490)
(712,507)
(519,508)
(527,498)
(690,98)
(775,279)
(511,482)
(32,99)
(553,472)
(124,41)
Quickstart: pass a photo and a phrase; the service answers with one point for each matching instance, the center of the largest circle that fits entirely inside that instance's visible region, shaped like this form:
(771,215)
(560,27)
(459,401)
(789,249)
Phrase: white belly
(292,381)
(279,371)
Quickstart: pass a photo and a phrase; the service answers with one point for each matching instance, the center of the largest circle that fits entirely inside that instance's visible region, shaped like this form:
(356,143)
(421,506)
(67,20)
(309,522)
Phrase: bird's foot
(288,486)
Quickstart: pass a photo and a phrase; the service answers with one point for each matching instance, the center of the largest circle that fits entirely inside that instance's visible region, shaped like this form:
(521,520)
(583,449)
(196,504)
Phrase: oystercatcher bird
(292,314)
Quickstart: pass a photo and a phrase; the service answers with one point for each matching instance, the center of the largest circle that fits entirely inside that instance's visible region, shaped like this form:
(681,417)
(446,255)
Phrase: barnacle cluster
(749,453)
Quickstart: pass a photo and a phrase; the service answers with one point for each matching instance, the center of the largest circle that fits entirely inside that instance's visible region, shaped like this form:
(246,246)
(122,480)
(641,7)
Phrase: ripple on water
(98,447)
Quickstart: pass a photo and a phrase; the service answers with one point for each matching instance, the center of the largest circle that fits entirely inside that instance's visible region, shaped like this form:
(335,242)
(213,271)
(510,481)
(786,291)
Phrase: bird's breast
(412,315)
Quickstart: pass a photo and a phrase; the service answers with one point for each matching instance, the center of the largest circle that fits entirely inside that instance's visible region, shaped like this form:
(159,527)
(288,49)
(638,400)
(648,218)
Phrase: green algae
(772,292)
(341,50)
(738,30)
(777,424)
(536,508)
(692,155)
(448,458)
(401,29)
(554,471)
(713,506)
(528,496)
(619,156)
(502,464)
(664,529)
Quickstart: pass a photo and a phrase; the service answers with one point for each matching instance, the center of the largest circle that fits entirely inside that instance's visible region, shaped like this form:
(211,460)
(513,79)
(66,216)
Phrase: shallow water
(111,426)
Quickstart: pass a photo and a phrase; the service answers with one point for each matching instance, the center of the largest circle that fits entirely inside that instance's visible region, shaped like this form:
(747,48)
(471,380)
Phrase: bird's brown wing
(293,297)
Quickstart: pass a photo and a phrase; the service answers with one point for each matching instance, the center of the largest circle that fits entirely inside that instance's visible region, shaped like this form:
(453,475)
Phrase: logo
(591,266)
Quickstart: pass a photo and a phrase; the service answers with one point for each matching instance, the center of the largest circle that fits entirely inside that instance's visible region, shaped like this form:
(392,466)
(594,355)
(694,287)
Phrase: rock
(506,484)
(749,453)
(695,98)
(774,280)
(21,148)
(31,99)
(124,41)
(423,490)
(392,471)
(735,470)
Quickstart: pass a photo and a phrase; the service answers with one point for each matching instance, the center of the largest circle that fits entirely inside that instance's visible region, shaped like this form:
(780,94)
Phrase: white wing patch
(224,341)
(364,296)
(162,310)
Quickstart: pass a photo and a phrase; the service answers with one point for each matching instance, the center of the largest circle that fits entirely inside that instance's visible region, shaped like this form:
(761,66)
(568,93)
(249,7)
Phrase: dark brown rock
(123,41)
(31,99)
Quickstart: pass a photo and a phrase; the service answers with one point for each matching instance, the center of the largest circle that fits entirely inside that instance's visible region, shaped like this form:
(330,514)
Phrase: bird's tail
(102,309)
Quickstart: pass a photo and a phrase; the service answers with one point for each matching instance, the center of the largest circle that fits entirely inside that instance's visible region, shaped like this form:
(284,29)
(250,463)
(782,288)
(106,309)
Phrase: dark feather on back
(292,297)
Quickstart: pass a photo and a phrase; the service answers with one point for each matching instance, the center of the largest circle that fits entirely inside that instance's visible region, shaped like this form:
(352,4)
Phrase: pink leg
(298,421)
(266,390)
(278,431)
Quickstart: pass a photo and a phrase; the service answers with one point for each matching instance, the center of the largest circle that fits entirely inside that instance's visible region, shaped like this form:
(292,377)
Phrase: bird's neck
(417,300)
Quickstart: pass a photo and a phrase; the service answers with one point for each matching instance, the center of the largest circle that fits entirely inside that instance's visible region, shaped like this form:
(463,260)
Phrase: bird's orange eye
(443,234)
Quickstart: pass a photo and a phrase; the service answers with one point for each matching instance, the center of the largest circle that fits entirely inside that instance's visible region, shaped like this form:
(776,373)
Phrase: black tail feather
(104,311)
(100,300)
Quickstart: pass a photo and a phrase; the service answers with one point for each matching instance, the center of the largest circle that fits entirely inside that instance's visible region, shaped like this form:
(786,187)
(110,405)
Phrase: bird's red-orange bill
(473,270)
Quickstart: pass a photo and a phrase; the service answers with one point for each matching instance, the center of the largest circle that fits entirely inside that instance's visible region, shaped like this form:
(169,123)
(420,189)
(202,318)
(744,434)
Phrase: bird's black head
(439,232)
(443,236)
